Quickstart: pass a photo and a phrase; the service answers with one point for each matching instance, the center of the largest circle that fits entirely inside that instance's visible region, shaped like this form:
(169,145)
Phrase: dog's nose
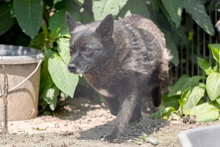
(72,67)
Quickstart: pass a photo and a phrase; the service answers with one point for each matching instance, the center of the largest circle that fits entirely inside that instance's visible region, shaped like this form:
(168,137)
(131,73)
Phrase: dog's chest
(100,83)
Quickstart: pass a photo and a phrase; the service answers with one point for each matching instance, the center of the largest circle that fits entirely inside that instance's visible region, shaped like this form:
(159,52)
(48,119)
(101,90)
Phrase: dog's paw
(109,138)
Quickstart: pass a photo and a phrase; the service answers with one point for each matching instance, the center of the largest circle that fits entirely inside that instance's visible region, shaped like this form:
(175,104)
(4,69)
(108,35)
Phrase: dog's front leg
(125,112)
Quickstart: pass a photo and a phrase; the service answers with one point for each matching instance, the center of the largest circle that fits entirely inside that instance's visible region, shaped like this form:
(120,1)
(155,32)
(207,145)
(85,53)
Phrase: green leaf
(197,10)
(204,65)
(215,68)
(197,93)
(7,20)
(170,101)
(57,23)
(74,10)
(62,78)
(174,8)
(156,4)
(135,7)
(101,8)
(86,14)
(45,79)
(29,15)
(205,112)
(215,48)
(218,101)
(63,49)
(38,41)
(183,83)
(48,91)
(213,85)
(163,112)
(184,97)
(171,45)
(50,96)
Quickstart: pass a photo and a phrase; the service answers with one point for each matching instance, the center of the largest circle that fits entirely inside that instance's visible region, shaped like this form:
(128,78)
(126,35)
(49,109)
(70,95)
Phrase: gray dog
(124,60)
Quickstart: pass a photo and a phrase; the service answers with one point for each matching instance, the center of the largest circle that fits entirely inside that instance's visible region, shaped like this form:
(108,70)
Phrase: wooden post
(4,95)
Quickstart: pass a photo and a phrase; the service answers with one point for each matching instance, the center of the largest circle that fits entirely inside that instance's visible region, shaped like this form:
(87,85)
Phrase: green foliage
(183,98)
(204,65)
(197,10)
(102,8)
(213,85)
(174,9)
(204,112)
(172,46)
(57,23)
(63,79)
(215,52)
(50,96)
(6,18)
(134,7)
(29,15)
(183,83)
(194,97)
(41,24)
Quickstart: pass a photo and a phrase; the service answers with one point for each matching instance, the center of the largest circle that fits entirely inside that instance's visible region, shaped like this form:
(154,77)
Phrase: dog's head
(90,45)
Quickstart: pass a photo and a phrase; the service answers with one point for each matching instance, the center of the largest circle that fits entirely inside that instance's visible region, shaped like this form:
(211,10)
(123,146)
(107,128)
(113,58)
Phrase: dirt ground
(81,123)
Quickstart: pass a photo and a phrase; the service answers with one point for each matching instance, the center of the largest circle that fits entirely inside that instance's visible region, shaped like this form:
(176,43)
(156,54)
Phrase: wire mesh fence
(196,46)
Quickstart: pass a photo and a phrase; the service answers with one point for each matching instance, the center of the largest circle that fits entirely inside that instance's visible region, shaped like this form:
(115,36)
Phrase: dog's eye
(86,50)
(72,50)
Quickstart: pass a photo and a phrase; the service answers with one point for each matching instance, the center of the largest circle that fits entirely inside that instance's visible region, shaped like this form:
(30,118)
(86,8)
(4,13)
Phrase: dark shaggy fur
(122,60)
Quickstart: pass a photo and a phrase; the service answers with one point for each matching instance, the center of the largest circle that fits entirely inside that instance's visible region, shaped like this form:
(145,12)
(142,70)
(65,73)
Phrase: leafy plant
(194,97)
(41,24)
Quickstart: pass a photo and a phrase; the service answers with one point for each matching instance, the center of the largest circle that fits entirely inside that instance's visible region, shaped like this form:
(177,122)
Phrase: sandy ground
(80,123)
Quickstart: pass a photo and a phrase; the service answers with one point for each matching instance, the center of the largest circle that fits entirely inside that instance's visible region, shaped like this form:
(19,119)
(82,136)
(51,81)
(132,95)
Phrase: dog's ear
(106,27)
(71,23)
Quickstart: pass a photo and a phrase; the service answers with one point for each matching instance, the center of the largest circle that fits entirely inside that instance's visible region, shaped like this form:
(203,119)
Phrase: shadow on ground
(77,108)
(134,131)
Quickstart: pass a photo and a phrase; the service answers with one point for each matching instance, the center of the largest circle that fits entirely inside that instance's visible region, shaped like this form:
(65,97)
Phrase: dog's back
(143,52)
